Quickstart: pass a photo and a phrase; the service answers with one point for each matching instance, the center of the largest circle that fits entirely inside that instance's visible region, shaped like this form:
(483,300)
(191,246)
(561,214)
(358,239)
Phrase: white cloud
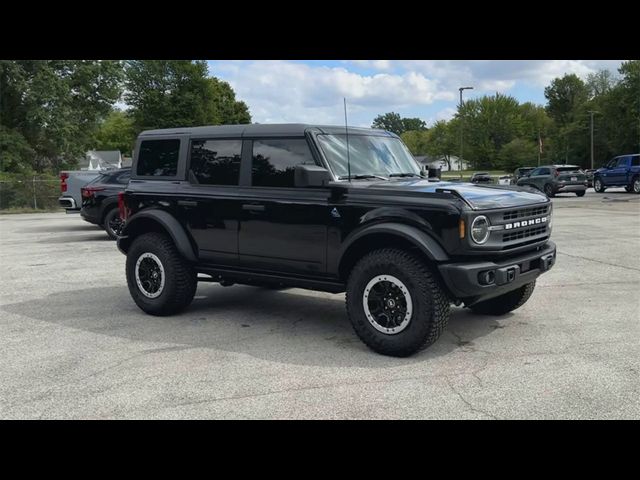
(294,91)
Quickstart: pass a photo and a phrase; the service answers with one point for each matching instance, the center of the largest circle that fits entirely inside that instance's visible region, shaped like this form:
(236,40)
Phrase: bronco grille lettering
(525,223)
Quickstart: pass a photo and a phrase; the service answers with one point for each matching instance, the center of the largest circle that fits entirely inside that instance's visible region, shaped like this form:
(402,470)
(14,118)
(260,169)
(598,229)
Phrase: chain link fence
(29,192)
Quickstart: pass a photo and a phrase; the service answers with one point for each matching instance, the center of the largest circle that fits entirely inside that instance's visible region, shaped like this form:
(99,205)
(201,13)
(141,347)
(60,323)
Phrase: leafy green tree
(168,93)
(519,152)
(416,141)
(116,133)
(566,96)
(490,122)
(441,140)
(413,124)
(391,122)
(50,109)
(228,110)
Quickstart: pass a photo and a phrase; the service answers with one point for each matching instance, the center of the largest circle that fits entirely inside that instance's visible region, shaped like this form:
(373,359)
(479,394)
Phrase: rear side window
(623,162)
(119,178)
(158,158)
(274,161)
(215,162)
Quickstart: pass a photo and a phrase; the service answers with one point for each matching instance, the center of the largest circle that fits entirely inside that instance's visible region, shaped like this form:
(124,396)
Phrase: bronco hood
(478,196)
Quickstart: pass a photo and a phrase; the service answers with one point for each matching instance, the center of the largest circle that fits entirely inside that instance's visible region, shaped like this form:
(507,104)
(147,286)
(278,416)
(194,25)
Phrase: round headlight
(480,229)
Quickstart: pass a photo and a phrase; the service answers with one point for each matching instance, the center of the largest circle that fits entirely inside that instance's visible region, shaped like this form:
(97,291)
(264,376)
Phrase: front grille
(525,212)
(527,232)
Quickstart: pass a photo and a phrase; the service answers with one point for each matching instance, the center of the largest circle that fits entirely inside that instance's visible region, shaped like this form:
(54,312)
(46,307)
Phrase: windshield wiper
(360,177)
(405,175)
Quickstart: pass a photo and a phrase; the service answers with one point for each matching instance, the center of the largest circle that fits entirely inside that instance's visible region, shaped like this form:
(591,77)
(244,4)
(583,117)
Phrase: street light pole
(461,130)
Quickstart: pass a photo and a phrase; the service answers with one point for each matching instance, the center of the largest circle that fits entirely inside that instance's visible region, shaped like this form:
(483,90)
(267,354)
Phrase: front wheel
(505,303)
(395,302)
(581,194)
(635,185)
(598,186)
(160,280)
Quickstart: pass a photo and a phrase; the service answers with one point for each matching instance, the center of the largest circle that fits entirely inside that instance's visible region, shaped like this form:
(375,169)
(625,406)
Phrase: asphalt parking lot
(74,345)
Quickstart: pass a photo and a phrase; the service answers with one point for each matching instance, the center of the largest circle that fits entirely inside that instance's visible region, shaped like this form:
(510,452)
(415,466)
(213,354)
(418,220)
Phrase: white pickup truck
(71,181)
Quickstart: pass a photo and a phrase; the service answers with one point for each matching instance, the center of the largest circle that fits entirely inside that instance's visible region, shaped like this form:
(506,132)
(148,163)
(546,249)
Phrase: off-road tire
(581,194)
(180,277)
(598,186)
(111,214)
(548,190)
(430,303)
(505,303)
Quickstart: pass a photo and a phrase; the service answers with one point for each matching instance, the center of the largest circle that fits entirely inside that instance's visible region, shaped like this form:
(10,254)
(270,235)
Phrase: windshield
(368,155)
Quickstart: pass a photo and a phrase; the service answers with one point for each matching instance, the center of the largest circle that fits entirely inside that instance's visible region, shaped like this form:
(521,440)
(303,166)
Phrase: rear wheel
(505,303)
(635,185)
(598,186)
(548,190)
(395,303)
(112,223)
(581,194)
(160,280)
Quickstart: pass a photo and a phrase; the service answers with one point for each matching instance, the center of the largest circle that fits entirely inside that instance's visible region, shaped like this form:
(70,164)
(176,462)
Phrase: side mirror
(311,176)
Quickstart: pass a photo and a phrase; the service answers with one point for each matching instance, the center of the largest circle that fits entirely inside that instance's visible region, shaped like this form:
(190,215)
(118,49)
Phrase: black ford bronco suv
(325,208)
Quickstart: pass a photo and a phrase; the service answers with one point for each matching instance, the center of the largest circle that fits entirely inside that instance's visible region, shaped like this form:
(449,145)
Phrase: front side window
(367,154)
(215,162)
(536,172)
(274,161)
(635,161)
(158,158)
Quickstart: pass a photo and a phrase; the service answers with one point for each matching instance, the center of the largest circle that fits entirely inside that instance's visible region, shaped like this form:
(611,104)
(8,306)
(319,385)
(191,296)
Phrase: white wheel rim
(149,278)
(394,307)
(636,185)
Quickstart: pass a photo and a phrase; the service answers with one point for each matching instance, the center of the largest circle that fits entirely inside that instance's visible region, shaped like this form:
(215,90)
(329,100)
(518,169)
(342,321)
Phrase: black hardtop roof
(263,130)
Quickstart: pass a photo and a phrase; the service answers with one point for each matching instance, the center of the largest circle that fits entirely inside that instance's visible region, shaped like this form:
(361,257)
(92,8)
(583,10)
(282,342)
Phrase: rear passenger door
(282,228)
(618,174)
(210,199)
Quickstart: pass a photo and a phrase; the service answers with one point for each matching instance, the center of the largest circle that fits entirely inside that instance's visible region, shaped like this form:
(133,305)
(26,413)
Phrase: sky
(311,91)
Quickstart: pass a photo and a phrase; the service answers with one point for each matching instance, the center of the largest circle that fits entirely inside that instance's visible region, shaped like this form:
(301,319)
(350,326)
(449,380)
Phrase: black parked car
(299,206)
(519,173)
(100,200)
(481,177)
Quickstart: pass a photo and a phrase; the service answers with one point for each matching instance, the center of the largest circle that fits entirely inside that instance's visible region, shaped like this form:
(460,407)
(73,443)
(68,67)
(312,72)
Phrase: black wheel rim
(150,276)
(115,225)
(387,304)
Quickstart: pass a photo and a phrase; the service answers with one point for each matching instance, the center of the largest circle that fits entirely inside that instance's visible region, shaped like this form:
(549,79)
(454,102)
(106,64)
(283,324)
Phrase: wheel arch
(108,205)
(385,235)
(154,220)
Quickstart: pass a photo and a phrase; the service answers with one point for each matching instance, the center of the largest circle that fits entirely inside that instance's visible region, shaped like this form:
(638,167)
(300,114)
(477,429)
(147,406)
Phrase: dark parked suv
(312,207)
(100,200)
(554,179)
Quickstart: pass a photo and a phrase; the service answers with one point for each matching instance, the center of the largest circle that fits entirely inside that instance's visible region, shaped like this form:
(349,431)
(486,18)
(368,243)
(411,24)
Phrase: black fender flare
(168,223)
(425,242)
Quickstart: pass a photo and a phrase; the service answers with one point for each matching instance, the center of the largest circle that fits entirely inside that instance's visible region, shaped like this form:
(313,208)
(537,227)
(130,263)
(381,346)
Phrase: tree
(116,133)
(441,140)
(393,122)
(519,152)
(228,110)
(413,124)
(600,83)
(50,109)
(178,93)
(416,141)
(566,96)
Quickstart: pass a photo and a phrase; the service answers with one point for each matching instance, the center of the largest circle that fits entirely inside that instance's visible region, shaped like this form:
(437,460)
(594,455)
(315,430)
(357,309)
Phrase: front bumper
(464,279)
